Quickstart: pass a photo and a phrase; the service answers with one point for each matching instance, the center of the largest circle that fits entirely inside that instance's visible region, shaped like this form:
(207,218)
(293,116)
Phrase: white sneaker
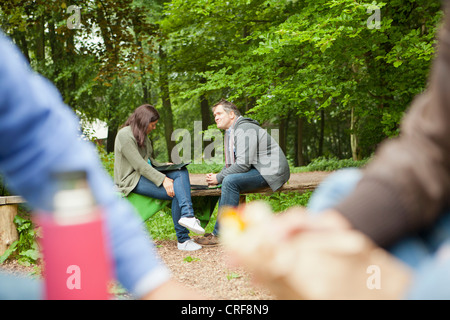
(189,245)
(192,224)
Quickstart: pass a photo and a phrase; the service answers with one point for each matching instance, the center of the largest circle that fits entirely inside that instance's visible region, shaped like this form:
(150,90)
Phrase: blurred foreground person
(400,202)
(39,135)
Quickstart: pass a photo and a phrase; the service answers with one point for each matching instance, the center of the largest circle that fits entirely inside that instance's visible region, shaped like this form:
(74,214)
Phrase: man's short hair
(227,107)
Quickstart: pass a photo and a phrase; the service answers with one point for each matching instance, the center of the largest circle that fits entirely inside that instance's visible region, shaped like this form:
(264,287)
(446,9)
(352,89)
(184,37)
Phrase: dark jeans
(234,184)
(181,202)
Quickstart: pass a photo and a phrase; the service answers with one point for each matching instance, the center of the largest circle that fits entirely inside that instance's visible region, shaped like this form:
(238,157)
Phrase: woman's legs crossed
(147,188)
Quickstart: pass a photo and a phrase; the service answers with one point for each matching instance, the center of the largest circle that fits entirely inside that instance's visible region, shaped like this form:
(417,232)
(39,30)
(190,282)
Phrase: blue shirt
(40,134)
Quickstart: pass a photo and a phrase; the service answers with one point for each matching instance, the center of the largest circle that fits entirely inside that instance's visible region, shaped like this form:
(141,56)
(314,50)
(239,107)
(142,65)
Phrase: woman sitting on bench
(134,173)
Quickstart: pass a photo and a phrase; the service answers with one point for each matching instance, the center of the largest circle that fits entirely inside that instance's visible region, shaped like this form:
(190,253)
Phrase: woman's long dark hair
(139,121)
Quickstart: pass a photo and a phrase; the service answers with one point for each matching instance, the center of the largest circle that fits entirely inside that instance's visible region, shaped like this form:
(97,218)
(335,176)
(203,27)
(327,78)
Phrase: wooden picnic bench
(300,182)
(204,202)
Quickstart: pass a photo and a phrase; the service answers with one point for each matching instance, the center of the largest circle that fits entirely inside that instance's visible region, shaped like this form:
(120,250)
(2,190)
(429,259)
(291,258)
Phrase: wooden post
(8,230)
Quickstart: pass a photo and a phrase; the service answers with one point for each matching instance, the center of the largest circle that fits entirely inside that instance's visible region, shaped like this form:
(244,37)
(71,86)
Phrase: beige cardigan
(131,162)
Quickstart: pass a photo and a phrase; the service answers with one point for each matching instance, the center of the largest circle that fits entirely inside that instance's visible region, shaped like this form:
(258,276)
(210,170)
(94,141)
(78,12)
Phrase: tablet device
(171,167)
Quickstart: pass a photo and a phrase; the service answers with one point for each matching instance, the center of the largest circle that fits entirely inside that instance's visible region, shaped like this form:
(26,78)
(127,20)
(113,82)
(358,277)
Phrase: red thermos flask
(77,263)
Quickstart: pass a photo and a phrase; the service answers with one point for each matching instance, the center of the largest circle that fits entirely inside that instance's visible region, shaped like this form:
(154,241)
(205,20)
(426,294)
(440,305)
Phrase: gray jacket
(255,148)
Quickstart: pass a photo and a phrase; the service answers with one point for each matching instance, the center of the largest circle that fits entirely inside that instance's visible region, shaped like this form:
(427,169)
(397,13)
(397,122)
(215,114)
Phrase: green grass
(204,168)
(330,164)
(160,226)
(281,201)
(318,164)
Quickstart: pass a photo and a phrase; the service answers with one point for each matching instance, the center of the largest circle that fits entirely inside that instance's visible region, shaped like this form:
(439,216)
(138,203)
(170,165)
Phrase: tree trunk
(111,139)
(356,154)
(40,40)
(8,230)
(283,134)
(142,67)
(299,160)
(167,115)
(322,131)
(111,55)
(21,41)
(206,113)
(111,58)
(103,24)
(205,109)
(55,46)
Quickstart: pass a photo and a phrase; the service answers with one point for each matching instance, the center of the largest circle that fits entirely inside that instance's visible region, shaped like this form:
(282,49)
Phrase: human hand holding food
(300,256)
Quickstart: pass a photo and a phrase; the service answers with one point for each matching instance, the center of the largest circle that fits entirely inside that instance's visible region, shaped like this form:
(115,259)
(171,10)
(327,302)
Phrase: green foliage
(160,226)
(8,252)
(190,259)
(3,187)
(25,250)
(107,160)
(279,61)
(331,164)
(205,168)
(233,275)
(281,201)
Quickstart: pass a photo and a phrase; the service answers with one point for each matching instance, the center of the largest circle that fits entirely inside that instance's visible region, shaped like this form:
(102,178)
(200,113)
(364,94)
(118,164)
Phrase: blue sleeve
(432,278)
(40,134)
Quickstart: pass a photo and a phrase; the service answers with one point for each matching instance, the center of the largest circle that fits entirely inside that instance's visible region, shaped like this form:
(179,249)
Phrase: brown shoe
(208,240)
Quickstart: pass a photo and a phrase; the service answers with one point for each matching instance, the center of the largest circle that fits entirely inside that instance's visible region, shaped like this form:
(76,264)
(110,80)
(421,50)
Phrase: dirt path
(208,270)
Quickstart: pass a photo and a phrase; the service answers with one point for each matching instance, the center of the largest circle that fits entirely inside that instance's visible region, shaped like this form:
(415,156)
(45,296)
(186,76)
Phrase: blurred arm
(39,134)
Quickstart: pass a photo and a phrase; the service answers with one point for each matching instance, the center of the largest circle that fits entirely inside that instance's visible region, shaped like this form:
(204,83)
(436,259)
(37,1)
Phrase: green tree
(101,67)
(305,61)
(323,72)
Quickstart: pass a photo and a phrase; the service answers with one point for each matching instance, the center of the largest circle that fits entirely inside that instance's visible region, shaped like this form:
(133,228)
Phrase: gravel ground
(12,266)
(208,270)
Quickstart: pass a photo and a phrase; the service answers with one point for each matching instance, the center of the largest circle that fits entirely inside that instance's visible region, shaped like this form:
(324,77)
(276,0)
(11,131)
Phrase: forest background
(333,76)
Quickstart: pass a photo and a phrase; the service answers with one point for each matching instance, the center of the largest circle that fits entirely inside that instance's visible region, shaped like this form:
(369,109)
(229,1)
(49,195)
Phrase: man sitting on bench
(253,160)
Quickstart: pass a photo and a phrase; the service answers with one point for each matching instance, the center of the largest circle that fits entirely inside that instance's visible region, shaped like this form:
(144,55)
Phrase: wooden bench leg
(8,230)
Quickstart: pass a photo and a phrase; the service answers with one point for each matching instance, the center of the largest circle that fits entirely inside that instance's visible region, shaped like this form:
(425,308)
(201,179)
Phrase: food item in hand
(313,263)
